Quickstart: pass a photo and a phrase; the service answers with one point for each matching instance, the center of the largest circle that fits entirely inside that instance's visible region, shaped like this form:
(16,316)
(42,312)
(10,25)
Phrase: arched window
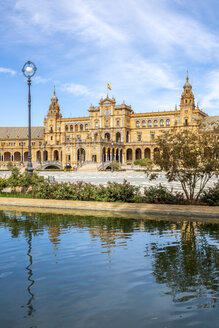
(86,126)
(155,123)
(149,124)
(167,122)
(71,127)
(96,124)
(117,122)
(161,122)
(66,128)
(81,127)
(137,124)
(76,128)
(143,124)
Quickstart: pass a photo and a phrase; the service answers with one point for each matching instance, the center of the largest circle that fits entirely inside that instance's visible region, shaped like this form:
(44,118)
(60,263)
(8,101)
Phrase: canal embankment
(188,211)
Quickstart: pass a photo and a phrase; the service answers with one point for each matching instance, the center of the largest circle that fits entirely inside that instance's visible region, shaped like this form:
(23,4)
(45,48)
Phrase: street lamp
(29,69)
(112,143)
(22,152)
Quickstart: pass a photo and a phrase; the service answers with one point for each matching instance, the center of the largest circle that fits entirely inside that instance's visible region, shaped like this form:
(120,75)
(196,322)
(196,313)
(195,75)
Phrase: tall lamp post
(112,143)
(29,69)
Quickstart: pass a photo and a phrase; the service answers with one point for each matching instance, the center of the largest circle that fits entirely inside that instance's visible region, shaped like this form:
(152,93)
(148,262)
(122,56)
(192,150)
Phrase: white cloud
(7,71)
(41,80)
(76,89)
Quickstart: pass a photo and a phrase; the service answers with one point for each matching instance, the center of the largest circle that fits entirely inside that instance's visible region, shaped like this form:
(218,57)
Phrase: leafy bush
(117,192)
(13,180)
(211,195)
(144,162)
(23,180)
(3,184)
(161,195)
(113,192)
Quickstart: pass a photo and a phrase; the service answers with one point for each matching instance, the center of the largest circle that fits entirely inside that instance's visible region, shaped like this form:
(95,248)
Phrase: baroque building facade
(111,131)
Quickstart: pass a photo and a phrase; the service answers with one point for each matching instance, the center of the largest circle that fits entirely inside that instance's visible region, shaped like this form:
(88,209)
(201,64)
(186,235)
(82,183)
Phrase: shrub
(144,162)
(211,195)
(13,180)
(119,192)
(3,184)
(161,195)
(113,192)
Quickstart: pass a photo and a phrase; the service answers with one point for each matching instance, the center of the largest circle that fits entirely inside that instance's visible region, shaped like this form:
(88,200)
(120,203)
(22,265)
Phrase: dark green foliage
(3,184)
(211,196)
(161,195)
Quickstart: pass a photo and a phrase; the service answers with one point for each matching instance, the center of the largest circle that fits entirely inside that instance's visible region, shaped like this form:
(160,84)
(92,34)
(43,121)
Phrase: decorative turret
(54,109)
(187,97)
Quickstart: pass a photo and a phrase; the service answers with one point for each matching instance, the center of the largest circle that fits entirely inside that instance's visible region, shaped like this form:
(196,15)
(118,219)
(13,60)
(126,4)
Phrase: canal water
(84,271)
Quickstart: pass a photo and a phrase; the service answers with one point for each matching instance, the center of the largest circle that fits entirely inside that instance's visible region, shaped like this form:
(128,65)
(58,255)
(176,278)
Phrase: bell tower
(54,109)
(187,104)
(52,123)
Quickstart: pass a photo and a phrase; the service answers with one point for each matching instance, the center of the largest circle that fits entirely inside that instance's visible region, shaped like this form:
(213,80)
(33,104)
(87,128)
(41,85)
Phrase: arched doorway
(7,156)
(45,155)
(81,155)
(108,154)
(147,153)
(104,154)
(138,153)
(38,156)
(117,154)
(118,137)
(26,156)
(129,155)
(56,155)
(17,156)
(120,156)
(107,136)
(156,152)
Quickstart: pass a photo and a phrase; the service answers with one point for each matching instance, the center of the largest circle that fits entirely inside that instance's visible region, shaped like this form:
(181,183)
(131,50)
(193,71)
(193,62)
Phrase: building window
(71,127)
(149,124)
(143,124)
(51,138)
(186,122)
(161,122)
(155,123)
(76,128)
(96,124)
(167,122)
(118,123)
(86,126)
(152,136)
(66,128)
(106,122)
(137,124)
(81,127)
(139,137)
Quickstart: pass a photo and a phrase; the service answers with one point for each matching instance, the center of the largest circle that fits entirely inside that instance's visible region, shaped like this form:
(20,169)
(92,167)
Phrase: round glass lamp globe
(29,69)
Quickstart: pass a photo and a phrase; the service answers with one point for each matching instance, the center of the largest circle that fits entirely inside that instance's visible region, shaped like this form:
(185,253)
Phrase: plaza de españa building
(110,131)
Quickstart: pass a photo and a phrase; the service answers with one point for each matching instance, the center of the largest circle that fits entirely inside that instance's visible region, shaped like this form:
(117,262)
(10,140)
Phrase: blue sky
(143,48)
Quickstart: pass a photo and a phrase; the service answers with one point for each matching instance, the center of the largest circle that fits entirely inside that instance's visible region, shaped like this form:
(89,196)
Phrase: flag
(109,87)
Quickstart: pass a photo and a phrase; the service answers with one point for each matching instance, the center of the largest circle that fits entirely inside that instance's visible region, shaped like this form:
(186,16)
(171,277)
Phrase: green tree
(190,157)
